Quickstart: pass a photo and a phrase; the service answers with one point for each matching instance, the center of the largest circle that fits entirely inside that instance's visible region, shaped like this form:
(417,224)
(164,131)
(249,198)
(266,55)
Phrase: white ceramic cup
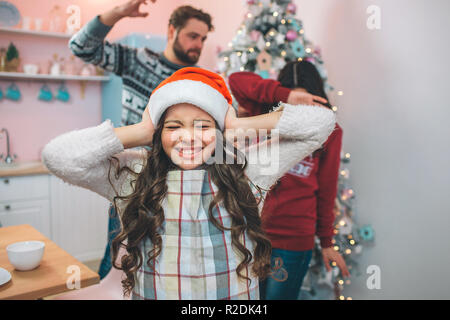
(30,68)
(25,255)
(37,24)
(26,23)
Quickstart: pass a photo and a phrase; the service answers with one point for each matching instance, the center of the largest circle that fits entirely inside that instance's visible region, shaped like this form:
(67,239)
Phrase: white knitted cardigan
(81,157)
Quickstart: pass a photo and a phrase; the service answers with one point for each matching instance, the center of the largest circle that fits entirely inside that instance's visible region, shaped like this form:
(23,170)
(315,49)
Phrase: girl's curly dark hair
(143,215)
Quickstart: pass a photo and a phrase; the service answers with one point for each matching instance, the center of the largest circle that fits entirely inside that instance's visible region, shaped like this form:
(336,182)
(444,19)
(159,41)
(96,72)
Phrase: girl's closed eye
(202,126)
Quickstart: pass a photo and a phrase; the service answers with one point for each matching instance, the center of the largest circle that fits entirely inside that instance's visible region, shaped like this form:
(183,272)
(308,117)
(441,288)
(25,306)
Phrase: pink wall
(31,122)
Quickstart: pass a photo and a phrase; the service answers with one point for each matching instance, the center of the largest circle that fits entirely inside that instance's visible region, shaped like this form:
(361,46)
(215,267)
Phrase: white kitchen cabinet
(79,220)
(33,212)
(74,218)
(25,200)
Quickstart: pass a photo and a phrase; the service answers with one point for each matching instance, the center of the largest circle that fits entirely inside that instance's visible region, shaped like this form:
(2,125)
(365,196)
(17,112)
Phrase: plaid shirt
(197,260)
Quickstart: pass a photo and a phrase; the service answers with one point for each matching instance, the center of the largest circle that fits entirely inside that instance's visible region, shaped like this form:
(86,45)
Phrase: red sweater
(301,205)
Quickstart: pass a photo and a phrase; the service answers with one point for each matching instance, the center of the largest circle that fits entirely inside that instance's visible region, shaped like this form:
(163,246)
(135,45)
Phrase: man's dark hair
(182,14)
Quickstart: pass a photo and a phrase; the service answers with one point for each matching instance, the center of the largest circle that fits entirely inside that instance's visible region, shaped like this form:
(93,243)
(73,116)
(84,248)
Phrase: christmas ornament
(264,60)
(263,74)
(366,233)
(291,35)
(254,35)
(297,48)
(291,8)
(295,25)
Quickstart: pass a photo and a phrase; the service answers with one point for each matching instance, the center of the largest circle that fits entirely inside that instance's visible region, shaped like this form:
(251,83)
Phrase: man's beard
(182,55)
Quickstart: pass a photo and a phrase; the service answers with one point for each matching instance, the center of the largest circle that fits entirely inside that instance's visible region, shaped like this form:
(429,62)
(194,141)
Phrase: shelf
(37,77)
(36,33)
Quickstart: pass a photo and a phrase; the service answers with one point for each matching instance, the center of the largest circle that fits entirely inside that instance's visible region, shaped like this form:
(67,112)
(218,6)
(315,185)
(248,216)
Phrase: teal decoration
(63,94)
(297,48)
(264,74)
(1,94)
(13,92)
(296,26)
(45,94)
(366,233)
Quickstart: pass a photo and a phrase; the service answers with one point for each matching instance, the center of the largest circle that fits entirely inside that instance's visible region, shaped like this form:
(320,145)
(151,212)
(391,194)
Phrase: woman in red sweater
(301,205)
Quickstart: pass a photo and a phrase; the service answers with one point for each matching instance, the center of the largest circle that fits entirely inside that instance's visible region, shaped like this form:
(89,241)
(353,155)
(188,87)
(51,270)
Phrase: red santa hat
(202,88)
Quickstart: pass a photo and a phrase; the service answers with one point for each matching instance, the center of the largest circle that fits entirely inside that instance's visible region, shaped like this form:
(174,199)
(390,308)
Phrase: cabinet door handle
(7,207)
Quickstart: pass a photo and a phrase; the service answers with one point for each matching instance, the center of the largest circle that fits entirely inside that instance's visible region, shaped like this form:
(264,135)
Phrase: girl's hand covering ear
(147,123)
(231,118)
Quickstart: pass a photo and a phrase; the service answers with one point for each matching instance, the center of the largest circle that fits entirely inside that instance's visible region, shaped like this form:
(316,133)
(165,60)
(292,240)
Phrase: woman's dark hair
(302,74)
(181,15)
(143,216)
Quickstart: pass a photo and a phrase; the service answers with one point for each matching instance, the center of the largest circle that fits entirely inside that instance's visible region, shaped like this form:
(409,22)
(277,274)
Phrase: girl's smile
(188,135)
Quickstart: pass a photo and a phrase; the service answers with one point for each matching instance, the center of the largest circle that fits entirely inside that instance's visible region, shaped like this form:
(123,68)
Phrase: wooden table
(50,278)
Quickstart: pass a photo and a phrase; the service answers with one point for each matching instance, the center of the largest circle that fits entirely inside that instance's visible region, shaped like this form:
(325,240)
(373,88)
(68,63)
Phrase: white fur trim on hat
(188,91)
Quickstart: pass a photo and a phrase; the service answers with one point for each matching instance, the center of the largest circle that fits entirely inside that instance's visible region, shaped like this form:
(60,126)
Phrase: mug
(13,92)
(45,94)
(30,68)
(63,94)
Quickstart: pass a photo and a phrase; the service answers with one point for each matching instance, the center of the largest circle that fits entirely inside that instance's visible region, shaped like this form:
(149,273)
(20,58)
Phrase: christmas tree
(269,37)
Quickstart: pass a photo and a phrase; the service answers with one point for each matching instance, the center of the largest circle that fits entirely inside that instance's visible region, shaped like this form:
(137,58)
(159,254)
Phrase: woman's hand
(330,255)
(301,97)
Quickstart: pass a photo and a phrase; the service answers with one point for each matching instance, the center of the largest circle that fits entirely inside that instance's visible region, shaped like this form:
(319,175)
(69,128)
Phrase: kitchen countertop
(22,169)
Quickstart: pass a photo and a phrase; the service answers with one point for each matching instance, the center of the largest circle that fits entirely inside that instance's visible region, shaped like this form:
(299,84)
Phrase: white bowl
(25,255)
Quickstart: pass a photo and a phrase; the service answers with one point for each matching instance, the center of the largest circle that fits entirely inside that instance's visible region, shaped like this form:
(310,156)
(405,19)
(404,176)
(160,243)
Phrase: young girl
(190,226)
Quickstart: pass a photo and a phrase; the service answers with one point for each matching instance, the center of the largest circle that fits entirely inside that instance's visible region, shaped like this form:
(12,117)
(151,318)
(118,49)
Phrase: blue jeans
(113,231)
(289,268)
